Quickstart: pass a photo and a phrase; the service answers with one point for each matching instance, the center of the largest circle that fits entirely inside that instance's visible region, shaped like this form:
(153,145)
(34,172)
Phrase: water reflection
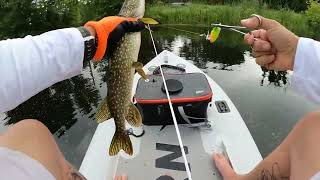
(277,78)
(58,105)
(225,53)
(196,48)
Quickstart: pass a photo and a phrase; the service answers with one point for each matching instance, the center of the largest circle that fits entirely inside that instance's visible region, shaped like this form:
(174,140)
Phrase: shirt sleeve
(306,72)
(32,64)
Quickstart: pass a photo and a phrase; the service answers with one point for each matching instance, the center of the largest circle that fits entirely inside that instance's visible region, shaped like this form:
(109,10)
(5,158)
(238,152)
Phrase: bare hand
(123,177)
(275,47)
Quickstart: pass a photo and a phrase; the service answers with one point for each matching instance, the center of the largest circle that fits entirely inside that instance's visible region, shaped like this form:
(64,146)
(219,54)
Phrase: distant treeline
(21,17)
(296,5)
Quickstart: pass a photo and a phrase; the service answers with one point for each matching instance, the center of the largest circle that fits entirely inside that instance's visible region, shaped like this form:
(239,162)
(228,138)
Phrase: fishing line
(182,30)
(154,45)
(186,164)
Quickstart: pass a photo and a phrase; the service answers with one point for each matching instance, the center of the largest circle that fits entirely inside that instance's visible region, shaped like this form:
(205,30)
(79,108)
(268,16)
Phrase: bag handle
(186,118)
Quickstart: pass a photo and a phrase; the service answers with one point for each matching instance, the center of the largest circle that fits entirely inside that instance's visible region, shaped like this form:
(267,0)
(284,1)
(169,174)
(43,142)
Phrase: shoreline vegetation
(199,14)
(19,18)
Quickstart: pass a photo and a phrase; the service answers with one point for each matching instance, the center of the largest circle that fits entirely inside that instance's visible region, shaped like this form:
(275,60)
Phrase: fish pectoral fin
(134,117)
(139,68)
(120,140)
(103,112)
(137,65)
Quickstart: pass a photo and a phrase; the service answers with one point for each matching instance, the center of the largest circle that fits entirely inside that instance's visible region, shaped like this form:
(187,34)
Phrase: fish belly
(120,78)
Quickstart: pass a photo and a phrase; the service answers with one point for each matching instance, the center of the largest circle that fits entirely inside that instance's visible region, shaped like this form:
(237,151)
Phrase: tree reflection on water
(225,53)
(277,78)
(58,105)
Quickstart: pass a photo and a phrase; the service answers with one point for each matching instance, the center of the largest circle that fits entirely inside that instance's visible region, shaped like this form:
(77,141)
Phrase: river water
(265,99)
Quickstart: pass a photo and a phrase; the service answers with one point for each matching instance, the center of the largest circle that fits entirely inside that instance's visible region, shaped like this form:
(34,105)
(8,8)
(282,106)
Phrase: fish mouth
(133,8)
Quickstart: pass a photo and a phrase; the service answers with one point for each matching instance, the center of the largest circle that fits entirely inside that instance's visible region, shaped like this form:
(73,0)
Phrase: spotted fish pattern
(120,74)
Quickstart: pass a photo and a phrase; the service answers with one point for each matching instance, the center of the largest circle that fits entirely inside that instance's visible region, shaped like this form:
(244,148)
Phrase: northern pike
(120,74)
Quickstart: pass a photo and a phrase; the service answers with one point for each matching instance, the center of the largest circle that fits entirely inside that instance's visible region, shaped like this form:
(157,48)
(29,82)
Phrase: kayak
(156,149)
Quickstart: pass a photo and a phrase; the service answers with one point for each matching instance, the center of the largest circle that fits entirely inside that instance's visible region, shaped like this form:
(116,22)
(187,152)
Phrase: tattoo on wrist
(274,174)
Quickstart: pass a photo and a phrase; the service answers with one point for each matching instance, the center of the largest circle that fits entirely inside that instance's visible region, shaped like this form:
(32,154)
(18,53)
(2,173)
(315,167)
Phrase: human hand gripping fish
(120,72)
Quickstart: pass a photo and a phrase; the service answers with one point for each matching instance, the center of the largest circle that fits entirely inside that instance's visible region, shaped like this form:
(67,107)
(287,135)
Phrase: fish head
(133,8)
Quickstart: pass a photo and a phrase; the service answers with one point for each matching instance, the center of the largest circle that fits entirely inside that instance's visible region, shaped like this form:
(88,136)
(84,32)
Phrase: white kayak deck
(157,153)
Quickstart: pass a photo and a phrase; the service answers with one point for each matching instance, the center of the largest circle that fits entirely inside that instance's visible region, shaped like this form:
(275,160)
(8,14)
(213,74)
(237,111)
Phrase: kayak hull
(157,153)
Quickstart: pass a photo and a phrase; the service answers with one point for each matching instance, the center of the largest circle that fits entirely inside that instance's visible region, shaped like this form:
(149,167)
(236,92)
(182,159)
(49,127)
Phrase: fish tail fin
(134,117)
(103,112)
(120,140)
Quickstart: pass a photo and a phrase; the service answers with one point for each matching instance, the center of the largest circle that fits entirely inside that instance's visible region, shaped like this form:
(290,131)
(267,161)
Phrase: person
(28,66)
(276,48)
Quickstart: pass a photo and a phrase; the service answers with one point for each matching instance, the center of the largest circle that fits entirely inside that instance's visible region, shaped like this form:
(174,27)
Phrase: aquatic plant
(201,14)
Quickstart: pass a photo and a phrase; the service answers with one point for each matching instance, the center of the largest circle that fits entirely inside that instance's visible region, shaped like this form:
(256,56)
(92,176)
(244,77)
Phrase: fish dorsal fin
(134,117)
(149,21)
(120,140)
(103,112)
(138,66)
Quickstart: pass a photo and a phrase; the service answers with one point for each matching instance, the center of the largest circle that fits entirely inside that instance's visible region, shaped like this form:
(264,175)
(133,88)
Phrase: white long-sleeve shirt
(306,72)
(32,64)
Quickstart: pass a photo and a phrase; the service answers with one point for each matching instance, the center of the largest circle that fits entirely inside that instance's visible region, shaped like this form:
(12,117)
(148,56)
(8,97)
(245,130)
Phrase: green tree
(97,9)
(296,5)
(313,14)
(21,17)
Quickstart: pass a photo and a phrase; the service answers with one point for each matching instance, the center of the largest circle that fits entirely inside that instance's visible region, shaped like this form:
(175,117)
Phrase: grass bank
(201,14)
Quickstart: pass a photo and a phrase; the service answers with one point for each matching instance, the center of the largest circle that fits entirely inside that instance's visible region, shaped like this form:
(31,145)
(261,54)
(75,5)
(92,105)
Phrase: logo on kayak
(167,161)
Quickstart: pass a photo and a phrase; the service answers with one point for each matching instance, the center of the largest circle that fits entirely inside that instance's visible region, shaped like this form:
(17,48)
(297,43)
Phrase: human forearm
(275,166)
(31,64)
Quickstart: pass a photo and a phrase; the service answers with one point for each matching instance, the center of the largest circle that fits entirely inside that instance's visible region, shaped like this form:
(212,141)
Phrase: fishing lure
(214,34)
